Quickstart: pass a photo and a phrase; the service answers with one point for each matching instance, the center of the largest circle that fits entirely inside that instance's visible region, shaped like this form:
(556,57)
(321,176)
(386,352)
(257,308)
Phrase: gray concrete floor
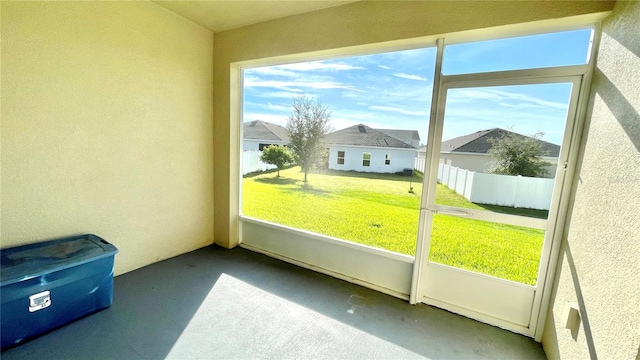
(230,304)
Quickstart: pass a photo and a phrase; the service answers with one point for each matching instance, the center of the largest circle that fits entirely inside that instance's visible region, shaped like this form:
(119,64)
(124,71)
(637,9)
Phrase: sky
(393,90)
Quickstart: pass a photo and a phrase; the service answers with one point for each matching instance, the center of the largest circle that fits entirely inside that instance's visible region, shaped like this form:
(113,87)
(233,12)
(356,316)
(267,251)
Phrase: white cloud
(468,95)
(351,94)
(289,85)
(280,94)
(399,110)
(353,116)
(278,107)
(252,106)
(529,98)
(517,106)
(417,94)
(307,66)
(299,70)
(271,71)
(385,67)
(409,76)
(503,98)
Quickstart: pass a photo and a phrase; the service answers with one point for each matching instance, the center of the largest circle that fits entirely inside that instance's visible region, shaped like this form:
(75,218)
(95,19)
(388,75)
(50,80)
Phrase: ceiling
(219,16)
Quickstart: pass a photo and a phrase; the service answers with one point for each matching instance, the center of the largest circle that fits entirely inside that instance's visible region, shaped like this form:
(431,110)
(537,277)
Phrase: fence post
(468,195)
(244,162)
(455,179)
(464,182)
(515,193)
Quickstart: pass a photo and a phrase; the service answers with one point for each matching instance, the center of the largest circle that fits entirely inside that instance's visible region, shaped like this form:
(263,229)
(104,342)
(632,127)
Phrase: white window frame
(340,157)
(364,158)
(387,159)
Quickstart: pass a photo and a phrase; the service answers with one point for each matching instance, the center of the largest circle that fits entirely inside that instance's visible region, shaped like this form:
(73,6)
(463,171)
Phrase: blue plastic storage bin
(46,285)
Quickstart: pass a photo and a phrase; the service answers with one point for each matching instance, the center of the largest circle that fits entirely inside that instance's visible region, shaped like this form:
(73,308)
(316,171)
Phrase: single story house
(471,151)
(258,134)
(361,148)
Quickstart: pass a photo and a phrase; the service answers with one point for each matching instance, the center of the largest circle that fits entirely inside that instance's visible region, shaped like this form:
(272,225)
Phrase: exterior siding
(254,145)
(400,159)
(482,162)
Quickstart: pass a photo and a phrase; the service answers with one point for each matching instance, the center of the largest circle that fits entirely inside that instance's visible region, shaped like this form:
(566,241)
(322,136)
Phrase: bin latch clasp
(39,301)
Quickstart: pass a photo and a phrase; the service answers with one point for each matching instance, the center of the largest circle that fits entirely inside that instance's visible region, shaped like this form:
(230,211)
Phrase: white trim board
(327,272)
(374,268)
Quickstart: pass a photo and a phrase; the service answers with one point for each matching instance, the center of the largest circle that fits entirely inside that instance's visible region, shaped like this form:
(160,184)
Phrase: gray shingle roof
(479,142)
(263,130)
(362,135)
(402,134)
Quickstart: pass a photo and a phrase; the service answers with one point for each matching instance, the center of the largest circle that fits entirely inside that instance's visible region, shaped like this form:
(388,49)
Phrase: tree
(322,161)
(307,125)
(276,155)
(515,154)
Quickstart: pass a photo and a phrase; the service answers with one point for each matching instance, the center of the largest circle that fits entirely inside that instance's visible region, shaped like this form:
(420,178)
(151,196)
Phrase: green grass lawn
(378,210)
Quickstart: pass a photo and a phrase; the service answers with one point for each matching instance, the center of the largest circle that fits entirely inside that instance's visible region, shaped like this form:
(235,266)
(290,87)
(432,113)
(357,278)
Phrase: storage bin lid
(33,260)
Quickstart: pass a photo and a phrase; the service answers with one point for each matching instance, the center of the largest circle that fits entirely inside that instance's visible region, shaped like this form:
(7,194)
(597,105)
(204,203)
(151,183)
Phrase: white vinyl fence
(251,162)
(419,163)
(504,190)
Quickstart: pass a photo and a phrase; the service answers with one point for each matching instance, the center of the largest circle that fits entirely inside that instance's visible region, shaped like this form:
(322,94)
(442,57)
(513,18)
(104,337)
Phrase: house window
(366,159)
(262,146)
(387,159)
(340,157)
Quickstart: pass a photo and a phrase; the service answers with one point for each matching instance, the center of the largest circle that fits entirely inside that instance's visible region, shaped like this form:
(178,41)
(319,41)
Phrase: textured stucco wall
(107,127)
(600,259)
(360,23)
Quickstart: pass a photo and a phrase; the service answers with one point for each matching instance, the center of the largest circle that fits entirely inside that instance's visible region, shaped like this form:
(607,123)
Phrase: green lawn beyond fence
(380,211)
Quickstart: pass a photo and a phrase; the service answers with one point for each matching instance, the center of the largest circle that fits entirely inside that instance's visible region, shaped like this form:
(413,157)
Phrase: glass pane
(500,147)
(504,251)
(525,52)
(379,108)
